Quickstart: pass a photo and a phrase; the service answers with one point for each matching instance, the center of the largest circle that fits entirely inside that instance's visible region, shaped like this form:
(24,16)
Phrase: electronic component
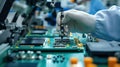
(103,48)
(90,38)
(63,43)
(33,41)
(58,59)
(73,60)
(77,42)
(21,55)
(88,61)
(40,32)
(28,55)
(112,61)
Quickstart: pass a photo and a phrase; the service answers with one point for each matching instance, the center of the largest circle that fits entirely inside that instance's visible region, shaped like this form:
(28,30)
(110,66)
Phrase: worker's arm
(78,21)
(108,24)
(104,24)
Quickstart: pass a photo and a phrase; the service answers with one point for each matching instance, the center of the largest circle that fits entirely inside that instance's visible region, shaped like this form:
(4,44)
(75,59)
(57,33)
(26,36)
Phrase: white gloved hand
(77,21)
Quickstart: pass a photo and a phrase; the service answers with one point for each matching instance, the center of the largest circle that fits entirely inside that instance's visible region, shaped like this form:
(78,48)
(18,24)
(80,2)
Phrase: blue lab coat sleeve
(95,6)
(108,24)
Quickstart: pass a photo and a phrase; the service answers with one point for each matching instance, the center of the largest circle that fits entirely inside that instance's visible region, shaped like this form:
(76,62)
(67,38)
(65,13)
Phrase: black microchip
(65,39)
(33,41)
(103,48)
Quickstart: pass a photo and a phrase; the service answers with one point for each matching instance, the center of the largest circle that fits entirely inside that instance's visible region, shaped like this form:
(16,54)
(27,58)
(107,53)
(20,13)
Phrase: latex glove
(77,21)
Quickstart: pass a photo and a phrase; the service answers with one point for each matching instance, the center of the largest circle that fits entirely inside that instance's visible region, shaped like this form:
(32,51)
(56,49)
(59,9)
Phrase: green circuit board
(46,54)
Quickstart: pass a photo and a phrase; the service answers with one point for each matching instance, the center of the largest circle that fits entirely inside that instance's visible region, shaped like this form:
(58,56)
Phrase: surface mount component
(63,43)
(58,59)
(64,40)
(103,48)
(33,41)
(41,32)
